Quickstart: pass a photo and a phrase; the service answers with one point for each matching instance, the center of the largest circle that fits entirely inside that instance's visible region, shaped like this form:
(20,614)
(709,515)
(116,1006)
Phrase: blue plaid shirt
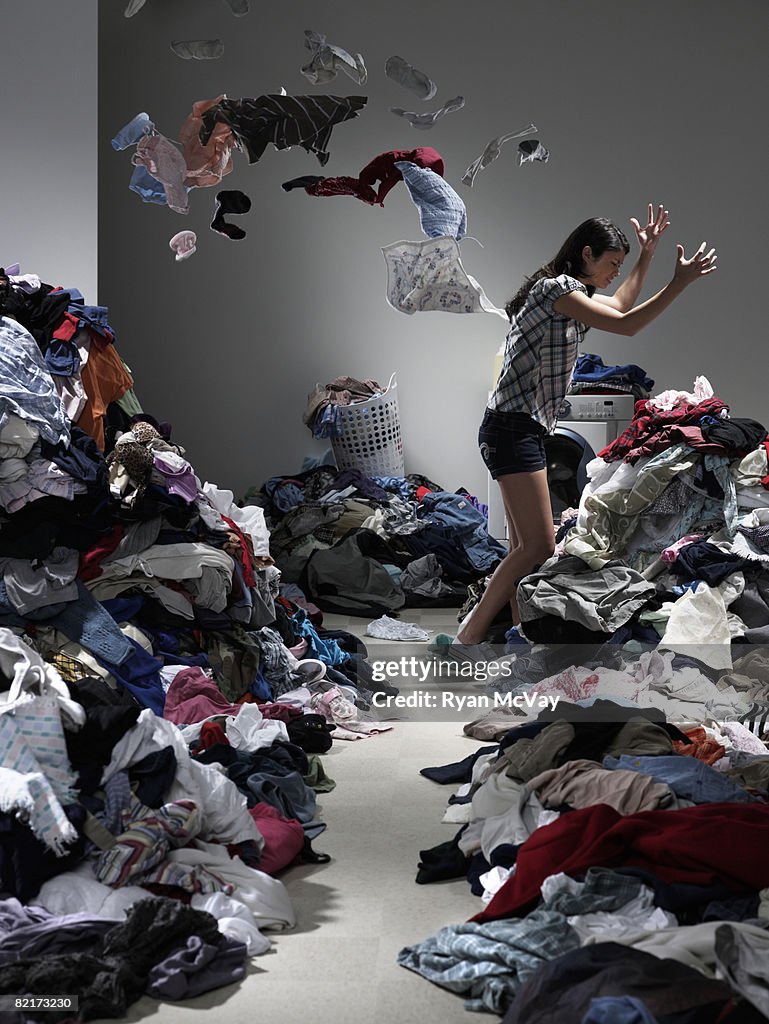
(540,354)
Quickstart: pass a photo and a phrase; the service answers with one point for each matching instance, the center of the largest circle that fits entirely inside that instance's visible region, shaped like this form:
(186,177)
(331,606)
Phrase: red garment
(703,747)
(421,492)
(281,712)
(211,733)
(381,168)
(245,553)
(648,424)
(90,560)
(712,843)
(68,327)
(675,434)
(283,837)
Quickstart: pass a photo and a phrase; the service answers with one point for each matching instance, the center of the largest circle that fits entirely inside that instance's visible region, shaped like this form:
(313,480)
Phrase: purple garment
(197,967)
(179,481)
(36,937)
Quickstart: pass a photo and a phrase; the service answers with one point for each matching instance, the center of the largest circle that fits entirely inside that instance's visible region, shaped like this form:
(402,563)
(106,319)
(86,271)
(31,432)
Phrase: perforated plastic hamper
(371,435)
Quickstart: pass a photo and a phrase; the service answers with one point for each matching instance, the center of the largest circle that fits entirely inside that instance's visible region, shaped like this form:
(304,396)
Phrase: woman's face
(601,271)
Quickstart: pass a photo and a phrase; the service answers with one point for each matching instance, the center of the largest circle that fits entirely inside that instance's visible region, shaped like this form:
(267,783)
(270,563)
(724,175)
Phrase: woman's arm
(627,294)
(577,306)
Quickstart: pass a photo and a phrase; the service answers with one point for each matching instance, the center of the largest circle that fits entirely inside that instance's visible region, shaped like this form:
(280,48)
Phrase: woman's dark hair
(597,232)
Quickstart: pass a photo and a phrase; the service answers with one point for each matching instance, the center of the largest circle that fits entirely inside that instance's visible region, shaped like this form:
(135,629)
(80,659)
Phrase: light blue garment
(687,777)
(719,466)
(488,962)
(313,461)
(284,493)
(397,484)
(26,387)
(328,651)
(328,424)
(618,1010)
(149,189)
(130,133)
(441,211)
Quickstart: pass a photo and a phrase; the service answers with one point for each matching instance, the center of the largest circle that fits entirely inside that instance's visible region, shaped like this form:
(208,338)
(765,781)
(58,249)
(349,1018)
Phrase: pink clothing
(192,697)
(206,165)
(298,650)
(670,554)
(283,837)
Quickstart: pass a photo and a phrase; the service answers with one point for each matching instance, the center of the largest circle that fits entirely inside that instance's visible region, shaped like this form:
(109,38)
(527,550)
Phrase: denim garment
(443,508)
(590,367)
(149,189)
(130,133)
(62,358)
(688,778)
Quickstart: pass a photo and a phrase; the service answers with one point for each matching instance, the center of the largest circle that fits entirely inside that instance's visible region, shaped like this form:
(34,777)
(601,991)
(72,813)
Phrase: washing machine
(588,422)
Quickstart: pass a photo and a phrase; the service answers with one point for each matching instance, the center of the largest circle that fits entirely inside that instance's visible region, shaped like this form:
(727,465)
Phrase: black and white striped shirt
(284,121)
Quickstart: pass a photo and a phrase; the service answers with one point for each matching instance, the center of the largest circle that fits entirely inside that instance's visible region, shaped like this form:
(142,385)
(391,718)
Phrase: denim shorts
(511,442)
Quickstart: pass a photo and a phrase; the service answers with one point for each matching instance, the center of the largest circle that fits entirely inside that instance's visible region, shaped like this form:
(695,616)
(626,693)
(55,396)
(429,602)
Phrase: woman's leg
(527,497)
(512,542)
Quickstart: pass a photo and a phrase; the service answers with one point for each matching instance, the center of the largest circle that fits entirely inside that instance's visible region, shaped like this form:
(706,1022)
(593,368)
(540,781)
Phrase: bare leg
(513,543)
(527,500)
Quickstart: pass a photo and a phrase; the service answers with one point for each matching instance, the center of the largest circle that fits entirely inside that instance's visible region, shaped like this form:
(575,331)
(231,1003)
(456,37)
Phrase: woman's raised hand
(649,235)
(699,265)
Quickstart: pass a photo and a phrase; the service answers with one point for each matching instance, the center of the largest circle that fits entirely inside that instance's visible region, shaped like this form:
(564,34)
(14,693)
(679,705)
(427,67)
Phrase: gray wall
(660,102)
(48,165)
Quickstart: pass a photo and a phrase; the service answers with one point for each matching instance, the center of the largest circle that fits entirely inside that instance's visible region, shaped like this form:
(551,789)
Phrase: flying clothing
(284,121)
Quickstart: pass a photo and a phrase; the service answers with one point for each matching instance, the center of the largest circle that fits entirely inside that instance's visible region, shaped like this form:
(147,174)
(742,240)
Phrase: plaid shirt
(540,353)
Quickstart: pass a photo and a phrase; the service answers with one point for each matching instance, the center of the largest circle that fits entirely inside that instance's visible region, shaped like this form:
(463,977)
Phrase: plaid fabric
(647,424)
(70,669)
(540,353)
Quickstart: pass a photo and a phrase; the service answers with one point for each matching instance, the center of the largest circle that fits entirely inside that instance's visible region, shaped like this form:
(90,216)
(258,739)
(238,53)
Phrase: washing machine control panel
(597,407)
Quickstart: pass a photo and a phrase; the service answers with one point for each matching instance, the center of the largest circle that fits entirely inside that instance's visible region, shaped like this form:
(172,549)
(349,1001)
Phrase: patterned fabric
(540,353)
(70,669)
(610,509)
(285,121)
(757,535)
(27,389)
(489,962)
(25,791)
(141,851)
(429,276)
(441,210)
(38,723)
(648,423)
(673,500)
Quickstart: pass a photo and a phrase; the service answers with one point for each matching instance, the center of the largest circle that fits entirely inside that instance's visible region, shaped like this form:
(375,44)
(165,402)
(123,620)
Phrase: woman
(549,316)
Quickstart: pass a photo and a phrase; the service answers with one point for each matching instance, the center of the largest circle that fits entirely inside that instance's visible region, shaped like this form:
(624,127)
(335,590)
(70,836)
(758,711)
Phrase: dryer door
(567,453)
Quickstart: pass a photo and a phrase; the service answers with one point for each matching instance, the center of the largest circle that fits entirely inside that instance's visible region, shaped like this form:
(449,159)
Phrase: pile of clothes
(619,860)
(592,376)
(360,545)
(616,839)
(164,704)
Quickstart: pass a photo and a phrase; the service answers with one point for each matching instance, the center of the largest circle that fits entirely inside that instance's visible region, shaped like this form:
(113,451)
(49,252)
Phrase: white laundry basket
(371,435)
